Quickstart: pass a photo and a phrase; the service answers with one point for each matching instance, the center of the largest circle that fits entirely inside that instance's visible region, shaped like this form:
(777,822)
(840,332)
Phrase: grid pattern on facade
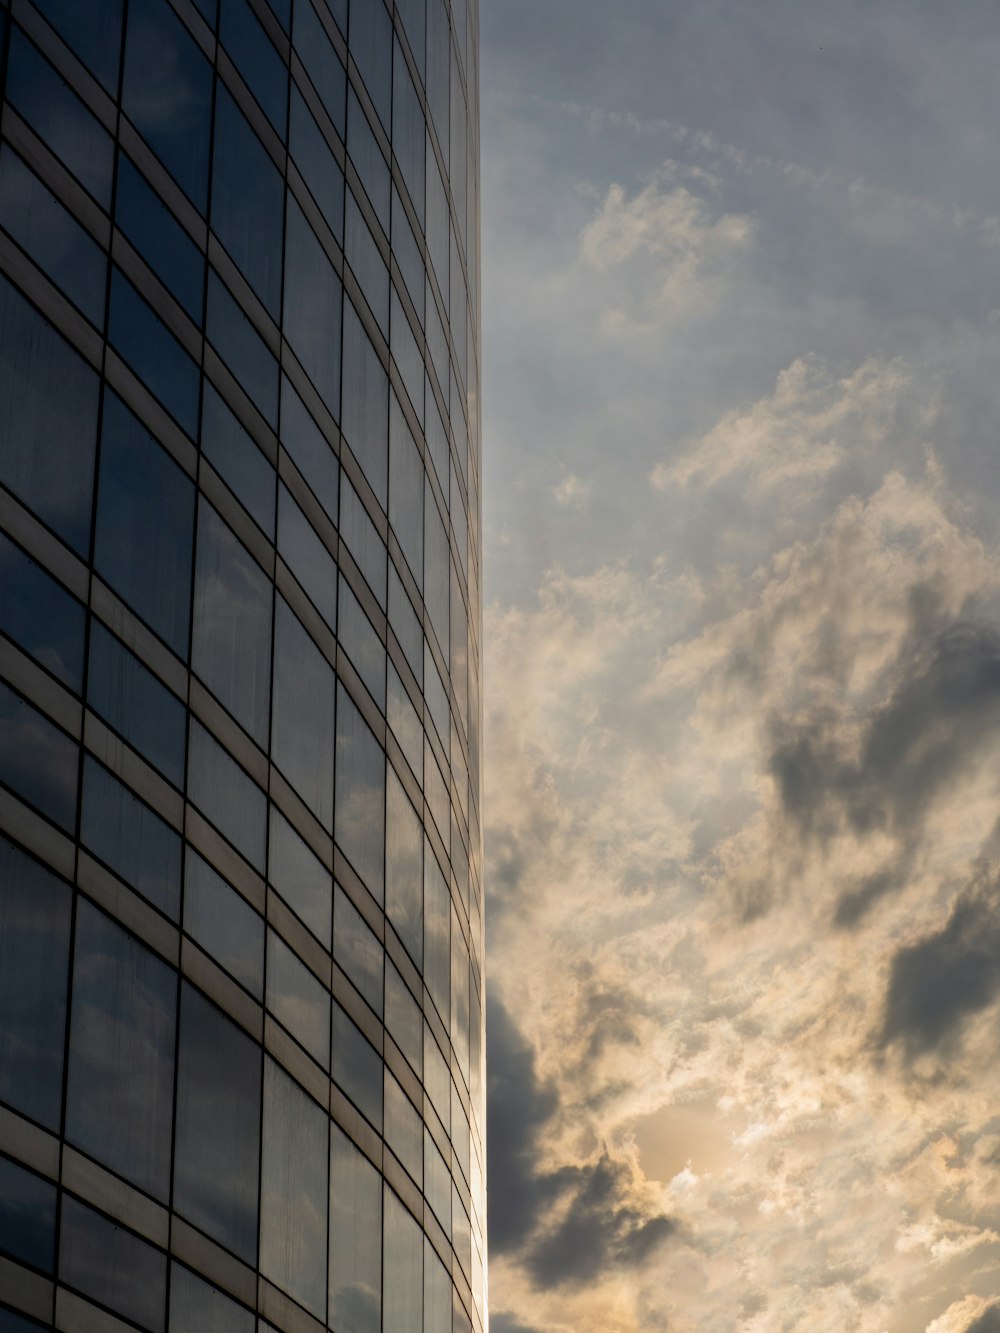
(241,922)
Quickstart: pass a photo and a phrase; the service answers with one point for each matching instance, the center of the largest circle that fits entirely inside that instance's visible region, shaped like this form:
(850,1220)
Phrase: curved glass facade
(241,912)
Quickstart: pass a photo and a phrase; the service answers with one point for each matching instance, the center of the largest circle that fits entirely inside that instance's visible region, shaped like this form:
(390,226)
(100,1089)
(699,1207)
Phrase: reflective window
(357,1067)
(408,132)
(40,615)
(119,1098)
(437,926)
(404,722)
(437,1293)
(145,518)
(413,14)
(403,1018)
(403,1128)
(94,32)
(235,456)
(438,69)
(15,1323)
(459,994)
(160,239)
(307,557)
(37,760)
(366,260)
(321,62)
(52,236)
(406,486)
(367,157)
(437,585)
(48,404)
(402,1275)
(34,959)
(131,700)
(309,451)
(256,59)
(297,999)
(437,1080)
(355,1238)
(223,923)
(58,116)
(300,877)
(370,41)
(363,541)
(357,950)
(294,1196)
(247,191)
(194,1304)
(127,836)
(407,356)
(407,628)
(218,1126)
(361,643)
(227,795)
(302,732)
(407,252)
(146,344)
(438,225)
(243,349)
(437,1183)
(112,1265)
(232,624)
(404,844)
(436,792)
(360,814)
(320,169)
(167,93)
(312,303)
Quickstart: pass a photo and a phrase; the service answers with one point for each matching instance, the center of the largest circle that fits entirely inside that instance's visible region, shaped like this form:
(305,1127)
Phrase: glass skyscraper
(241,911)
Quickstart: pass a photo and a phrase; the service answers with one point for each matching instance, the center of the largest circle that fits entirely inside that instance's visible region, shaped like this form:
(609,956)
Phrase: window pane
(297,999)
(357,1067)
(366,261)
(194,1304)
(407,628)
(34,960)
(124,833)
(94,32)
(145,521)
(300,877)
(404,847)
(307,557)
(407,356)
(37,760)
(459,994)
(218,1125)
(402,1276)
(322,63)
(302,734)
(112,1265)
(355,1238)
(294,1199)
(238,461)
(437,1080)
(366,404)
(52,236)
(437,585)
(121,1057)
(408,132)
(27,1216)
(227,795)
(360,814)
(40,615)
(242,349)
(167,93)
(406,489)
(309,451)
(363,540)
(437,1293)
(403,1018)
(437,926)
(320,169)
(160,239)
(367,157)
(48,406)
(407,252)
(437,1183)
(371,46)
(256,59)
(131,700)
(356,950)
(361,643)
(247,193)
(403,1128)
(312,307)
(223,923)
(232,624)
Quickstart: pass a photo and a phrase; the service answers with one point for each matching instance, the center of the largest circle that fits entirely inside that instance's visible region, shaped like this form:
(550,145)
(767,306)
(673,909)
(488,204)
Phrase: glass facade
(241,912)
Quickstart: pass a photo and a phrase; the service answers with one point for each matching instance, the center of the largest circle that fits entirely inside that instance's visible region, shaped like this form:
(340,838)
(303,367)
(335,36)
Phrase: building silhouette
(241,920)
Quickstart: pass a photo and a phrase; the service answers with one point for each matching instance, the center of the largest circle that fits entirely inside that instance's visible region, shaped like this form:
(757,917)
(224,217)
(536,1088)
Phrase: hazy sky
(741,406)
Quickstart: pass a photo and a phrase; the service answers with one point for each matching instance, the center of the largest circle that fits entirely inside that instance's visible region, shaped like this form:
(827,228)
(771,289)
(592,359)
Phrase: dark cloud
(568,1225)
(987,1322)
(943,979)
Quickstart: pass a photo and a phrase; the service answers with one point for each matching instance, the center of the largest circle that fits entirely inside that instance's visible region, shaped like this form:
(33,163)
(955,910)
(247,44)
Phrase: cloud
(572,492)
(970,1315)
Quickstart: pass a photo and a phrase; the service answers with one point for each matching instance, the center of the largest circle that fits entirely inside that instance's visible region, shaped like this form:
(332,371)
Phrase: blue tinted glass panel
(302,721)
(218,1126)
(15,1323)
(366,406)
(367,263)
(196,1305)
(300,877)
(27,1216)
(48,420)
(121,1058)
(55,112)
(320,169)
(283,11)
(309,450)
(243,350)
(209,10)
(40,615)
(37,760)
(363,540)
(145,522)
(362,644)
(52,236)
(146,344)
(256,59)
(227,795)
(408,133)
(438,69)
(34,959)
(167,93)
(321,62)
(127,836)
(307,557)
(223,923)
(247,199)
(414,16)
(370,41)
(113,1266)
(130,699)
(232,624)
(359,821)
(235,456)
(312,307)
(160,239)
(94,31)
(367,157)
(407,255)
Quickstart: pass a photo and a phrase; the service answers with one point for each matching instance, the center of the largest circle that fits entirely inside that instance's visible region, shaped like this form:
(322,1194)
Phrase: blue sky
(741,328)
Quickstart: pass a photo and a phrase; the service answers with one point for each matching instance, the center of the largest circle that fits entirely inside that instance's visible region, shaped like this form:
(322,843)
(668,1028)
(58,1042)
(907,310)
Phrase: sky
(741,330)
